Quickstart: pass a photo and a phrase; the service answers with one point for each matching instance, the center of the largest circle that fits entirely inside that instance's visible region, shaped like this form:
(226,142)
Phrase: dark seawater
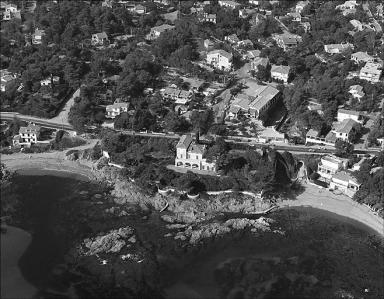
(336,250)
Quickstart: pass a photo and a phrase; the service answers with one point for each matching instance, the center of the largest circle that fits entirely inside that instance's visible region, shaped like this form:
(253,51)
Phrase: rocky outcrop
(200,232)
(112,242)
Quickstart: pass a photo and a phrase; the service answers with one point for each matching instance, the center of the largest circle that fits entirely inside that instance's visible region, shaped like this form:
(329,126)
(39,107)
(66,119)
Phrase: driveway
(62,117)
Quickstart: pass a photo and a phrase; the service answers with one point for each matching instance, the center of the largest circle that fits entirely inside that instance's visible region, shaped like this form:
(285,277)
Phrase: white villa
(361,57)
(280,72)
(344,128)
(356,91)
(37,36)
(189,154)
(229,4)
(48,81)
(181,97)
(343,114)
(116,109)
(27,136)
(371,72)
(344,182)
(158,30)
(100,38)
(337,48)
(220,59)
(329,165)
(287,40)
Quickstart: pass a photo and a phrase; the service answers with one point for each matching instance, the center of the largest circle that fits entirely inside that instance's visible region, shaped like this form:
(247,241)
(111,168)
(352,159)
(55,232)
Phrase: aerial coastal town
(189,99)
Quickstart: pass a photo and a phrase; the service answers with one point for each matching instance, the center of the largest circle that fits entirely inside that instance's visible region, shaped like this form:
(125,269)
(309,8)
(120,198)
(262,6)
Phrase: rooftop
(372,68)
(344,176)
(349,112)
(361,56)
(162,28)
(101,35)
(117,106)
(333,159)
(30,129)
(341,47)
(222,53)
(345,126)
(356,87)
(282,69)
(184,141)
(196,148)
(263,97)
(312,133)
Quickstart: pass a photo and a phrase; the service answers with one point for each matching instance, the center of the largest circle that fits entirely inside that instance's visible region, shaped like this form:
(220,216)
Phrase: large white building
(27,136)
(257,100)
(361,57)
(343,114)
(116,109)
(343,129)
(329,165)
(190,154)
(337,48)
(287,40)
(280,72)
(181,97)
(371,72)
(158,30)
(220,59)
(100,38)
(229,4)
(344,182)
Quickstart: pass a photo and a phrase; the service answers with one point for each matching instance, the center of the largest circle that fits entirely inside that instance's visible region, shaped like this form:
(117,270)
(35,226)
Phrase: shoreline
(55,163)
(14,244)
(342,205)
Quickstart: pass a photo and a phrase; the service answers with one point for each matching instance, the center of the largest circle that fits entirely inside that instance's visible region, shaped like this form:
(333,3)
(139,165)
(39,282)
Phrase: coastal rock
(209,230)
(113,241)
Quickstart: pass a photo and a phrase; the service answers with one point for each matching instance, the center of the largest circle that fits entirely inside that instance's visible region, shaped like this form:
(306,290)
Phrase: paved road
(58,122)
(62,117)
(46,123)
(299,149)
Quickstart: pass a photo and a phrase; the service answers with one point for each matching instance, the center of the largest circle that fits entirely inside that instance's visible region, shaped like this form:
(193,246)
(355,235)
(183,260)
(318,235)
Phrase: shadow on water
(41,196)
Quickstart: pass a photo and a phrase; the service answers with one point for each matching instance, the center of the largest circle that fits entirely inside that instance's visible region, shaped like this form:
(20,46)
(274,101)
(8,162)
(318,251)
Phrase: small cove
(196,277)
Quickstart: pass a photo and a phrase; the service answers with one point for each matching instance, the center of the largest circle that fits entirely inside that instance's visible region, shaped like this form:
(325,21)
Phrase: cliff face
(286,167)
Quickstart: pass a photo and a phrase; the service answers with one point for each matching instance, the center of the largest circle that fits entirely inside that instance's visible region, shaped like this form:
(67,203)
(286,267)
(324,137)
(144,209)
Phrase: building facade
(190,154)
(344,182)
(116,109)
(27,136)
(220,59)
(329,165)
(371,72)
(158,30)
(280,73)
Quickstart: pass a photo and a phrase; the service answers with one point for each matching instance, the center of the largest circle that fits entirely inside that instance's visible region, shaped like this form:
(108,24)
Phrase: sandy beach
(13,244)
(339,204)
(51,161)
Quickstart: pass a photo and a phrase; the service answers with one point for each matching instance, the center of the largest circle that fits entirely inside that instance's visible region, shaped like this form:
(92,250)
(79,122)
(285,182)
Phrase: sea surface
(332,255)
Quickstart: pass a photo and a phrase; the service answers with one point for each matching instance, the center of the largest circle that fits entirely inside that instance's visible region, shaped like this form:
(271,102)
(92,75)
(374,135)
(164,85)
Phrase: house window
(197,157)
